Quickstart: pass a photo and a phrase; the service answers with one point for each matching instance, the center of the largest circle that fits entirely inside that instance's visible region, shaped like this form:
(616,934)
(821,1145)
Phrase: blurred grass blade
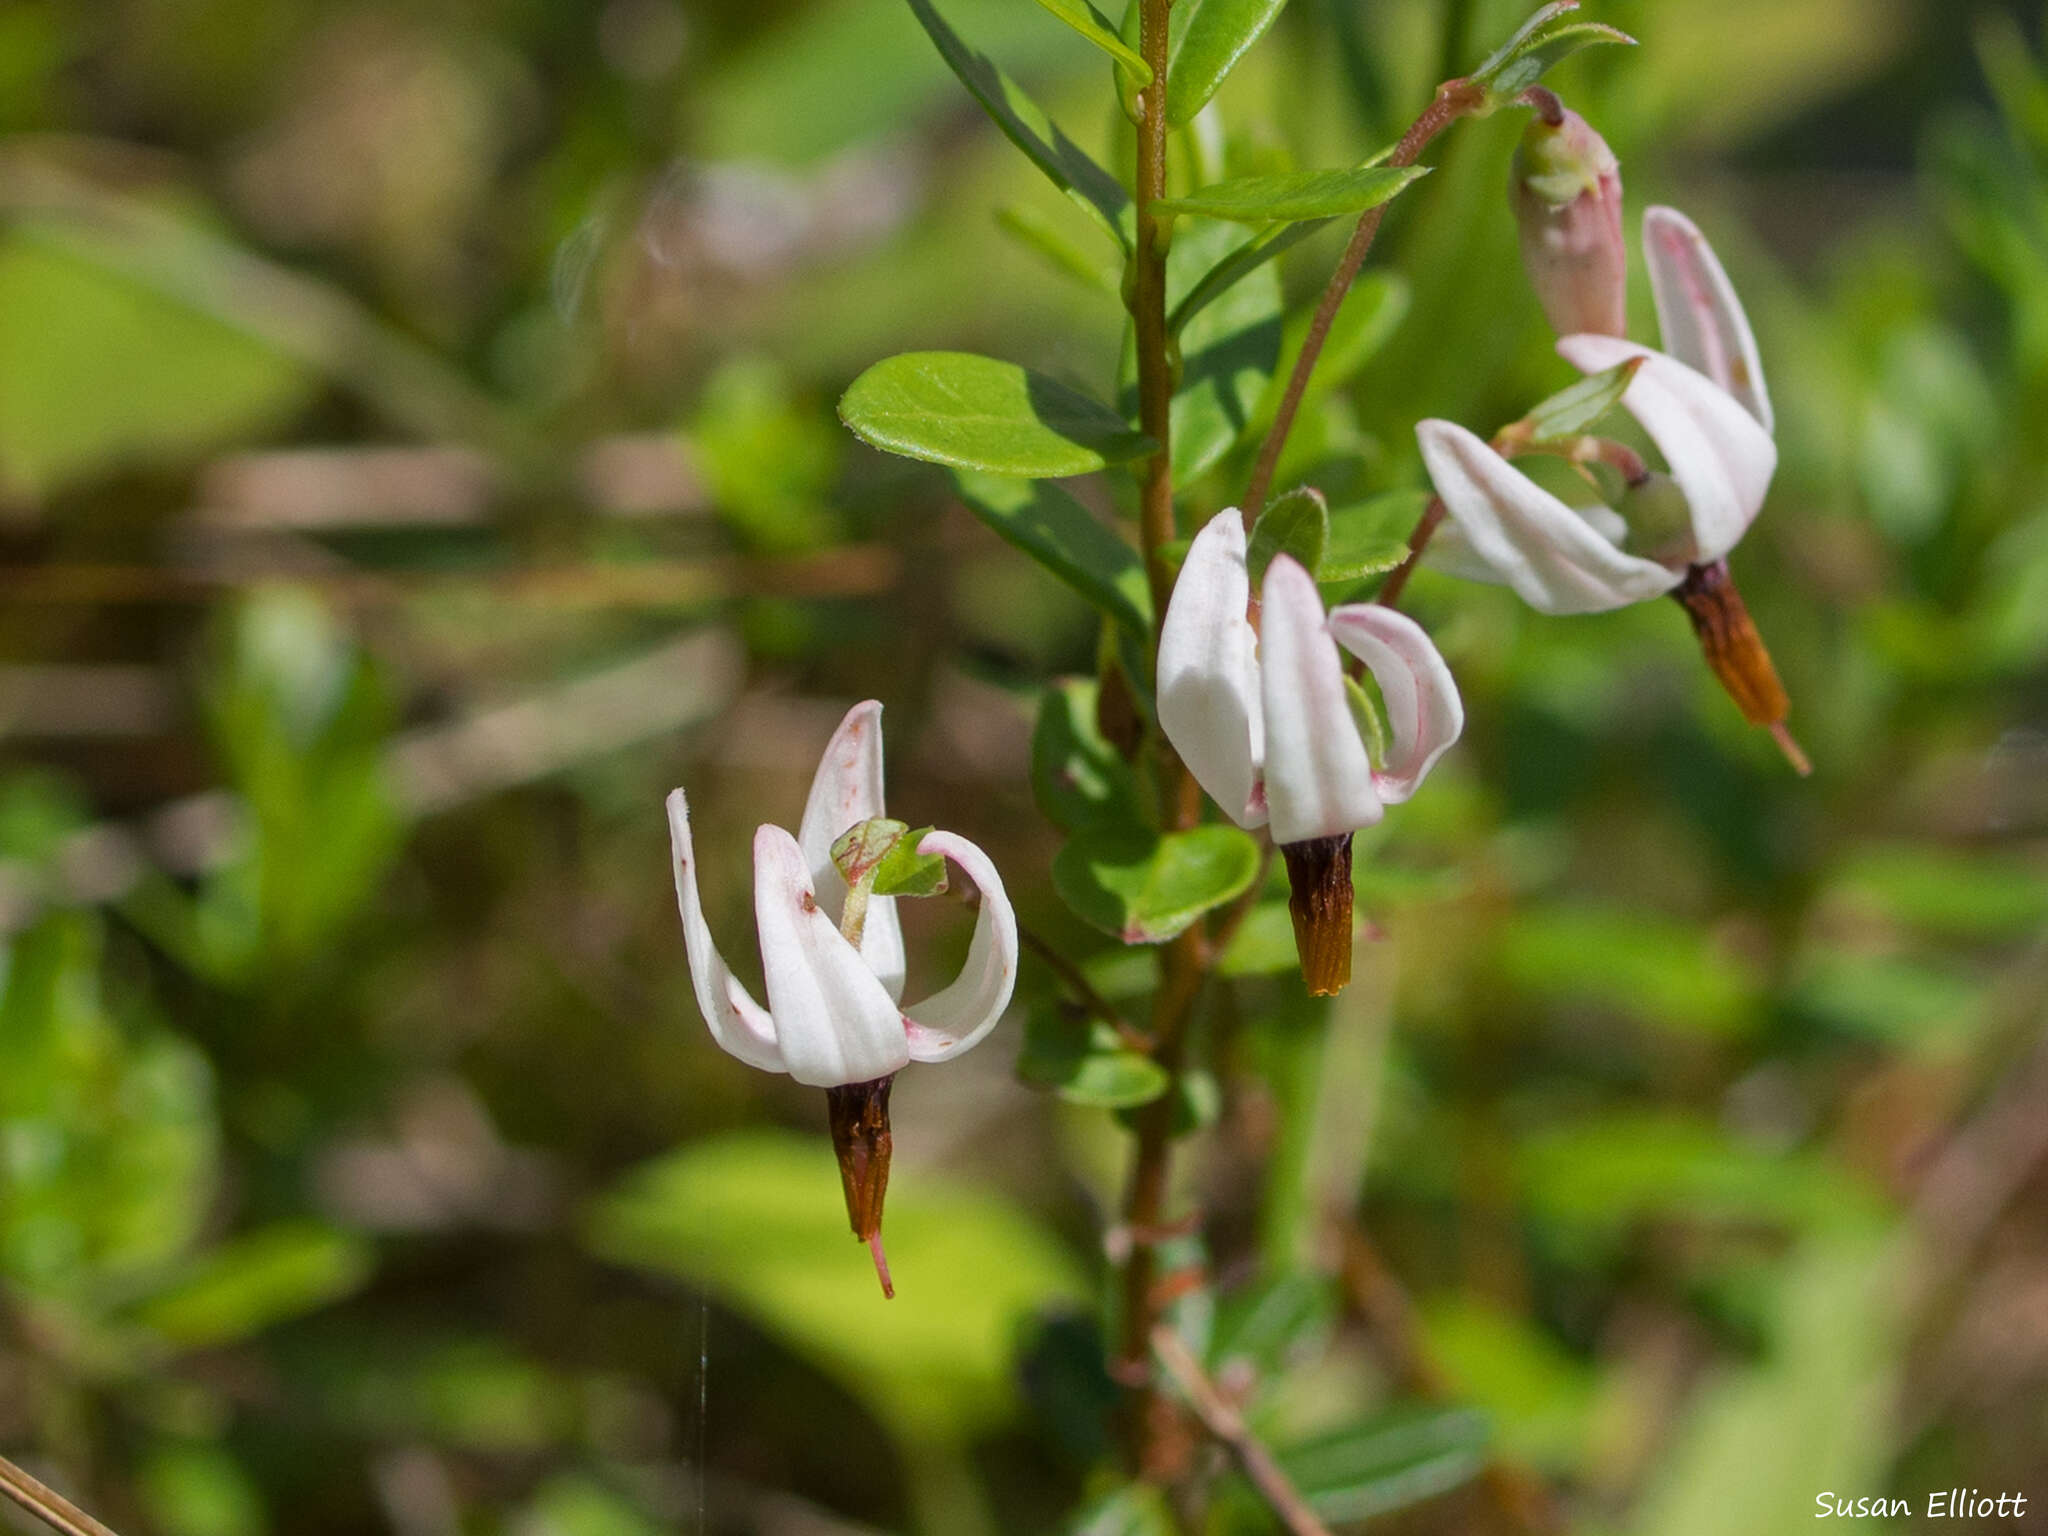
(1026,125)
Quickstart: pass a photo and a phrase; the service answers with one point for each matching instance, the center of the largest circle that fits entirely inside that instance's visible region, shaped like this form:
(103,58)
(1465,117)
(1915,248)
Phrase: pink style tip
(882,1266)
(1801,764)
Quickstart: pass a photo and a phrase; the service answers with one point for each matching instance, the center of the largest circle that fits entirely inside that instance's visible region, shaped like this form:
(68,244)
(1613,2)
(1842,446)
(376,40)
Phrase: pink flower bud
(1567,196)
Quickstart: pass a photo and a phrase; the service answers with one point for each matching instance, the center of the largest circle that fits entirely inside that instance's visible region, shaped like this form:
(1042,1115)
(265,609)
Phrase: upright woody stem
(1148,306)
(1184,962)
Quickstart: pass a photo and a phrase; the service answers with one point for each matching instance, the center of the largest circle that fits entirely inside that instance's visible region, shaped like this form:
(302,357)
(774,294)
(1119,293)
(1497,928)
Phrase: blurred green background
(417,454)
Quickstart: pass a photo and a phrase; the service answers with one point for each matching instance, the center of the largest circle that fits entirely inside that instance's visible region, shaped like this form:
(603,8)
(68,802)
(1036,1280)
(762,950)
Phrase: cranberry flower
(833,1018)
(1264,719)
(1703,403)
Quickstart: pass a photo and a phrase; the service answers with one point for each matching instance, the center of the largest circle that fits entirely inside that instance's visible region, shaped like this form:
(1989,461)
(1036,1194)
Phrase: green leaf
(1085,1063)
(1662,972)
(767,460)
(972,412)
(1578,408)
(1079,780)
(1274,1323)
(188,383)
(758,1219)
(198,1488)
(1538,1394)
(1591,1180)
(1387,1463)
(1136,1509)
(1026,125)
(1228,350)
(1263,944)
(1758,1441)
(1371,312)
(251,1282)
(1144,890)
(1296,195)
(1240,263)
(1371,536)
(1044,238)
(1542,42)
(1970,896)
(1296,523)
(1205,39)
(1067,539)
(1096,27)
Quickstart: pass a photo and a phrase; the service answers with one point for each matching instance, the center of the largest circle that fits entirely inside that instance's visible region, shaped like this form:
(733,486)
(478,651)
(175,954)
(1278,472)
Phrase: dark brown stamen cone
(1319,871)
(860,1137)
(1736,652)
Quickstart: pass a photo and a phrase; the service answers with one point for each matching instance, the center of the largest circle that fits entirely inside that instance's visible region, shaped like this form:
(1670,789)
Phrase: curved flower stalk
(1704,404)
(833,1018)
(1264,719)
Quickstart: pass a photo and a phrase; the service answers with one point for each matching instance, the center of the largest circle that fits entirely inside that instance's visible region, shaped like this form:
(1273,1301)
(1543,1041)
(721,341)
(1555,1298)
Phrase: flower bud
(1567,196)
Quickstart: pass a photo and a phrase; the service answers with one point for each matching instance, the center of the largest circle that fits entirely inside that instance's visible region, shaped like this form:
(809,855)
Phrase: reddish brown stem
(1425,529)
(1148,308)
(1454,98)
(1156,1442)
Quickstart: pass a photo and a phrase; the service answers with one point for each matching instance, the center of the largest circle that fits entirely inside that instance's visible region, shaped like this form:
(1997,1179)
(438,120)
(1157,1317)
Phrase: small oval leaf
(1295,195)
(1095,26)
(1145,890)
(1296,523)
(972,412)
(1205,41)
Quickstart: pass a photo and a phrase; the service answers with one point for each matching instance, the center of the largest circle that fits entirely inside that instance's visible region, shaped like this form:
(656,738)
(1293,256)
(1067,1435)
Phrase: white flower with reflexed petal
(1264,719)
(1704,405)
(1703,402)
(833,1019)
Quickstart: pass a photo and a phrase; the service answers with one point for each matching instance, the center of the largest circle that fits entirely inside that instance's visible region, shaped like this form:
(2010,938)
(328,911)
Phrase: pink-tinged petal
(1423,708)
(1209,671)
(833,1020)
(956,1018)
(741,1026)
(846,791)
(1699,318)
(1318,776)
(1553,558)
(1722,460)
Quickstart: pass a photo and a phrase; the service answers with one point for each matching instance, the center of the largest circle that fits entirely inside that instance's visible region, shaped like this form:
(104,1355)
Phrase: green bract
(972,412)
(1543,41)
(1577,408)
(1297,524)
